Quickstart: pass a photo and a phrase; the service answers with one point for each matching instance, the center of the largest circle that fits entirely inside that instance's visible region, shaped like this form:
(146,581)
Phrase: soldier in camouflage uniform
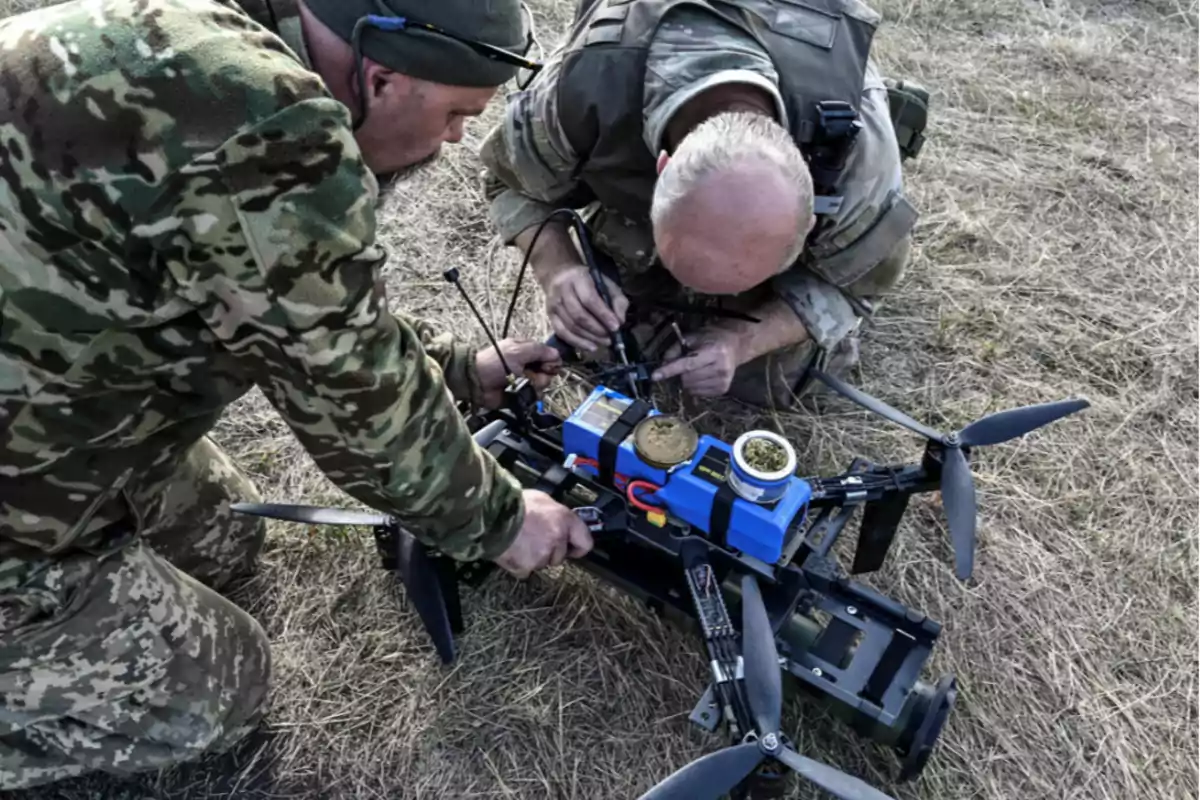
(187,200)
(634,80)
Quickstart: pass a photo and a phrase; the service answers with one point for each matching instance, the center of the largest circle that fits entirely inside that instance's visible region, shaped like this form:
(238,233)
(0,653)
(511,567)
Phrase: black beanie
(424,54)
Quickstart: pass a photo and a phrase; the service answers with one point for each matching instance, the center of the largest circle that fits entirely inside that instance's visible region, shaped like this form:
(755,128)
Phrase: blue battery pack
(699,493)
(696,491)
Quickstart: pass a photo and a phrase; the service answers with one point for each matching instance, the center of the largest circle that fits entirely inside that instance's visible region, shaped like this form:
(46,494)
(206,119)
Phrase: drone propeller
(412,566)
(715,774)
(958,485)
(314,515)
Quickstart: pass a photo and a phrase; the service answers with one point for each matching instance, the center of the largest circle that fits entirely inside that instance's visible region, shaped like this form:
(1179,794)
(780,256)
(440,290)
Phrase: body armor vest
(819,49)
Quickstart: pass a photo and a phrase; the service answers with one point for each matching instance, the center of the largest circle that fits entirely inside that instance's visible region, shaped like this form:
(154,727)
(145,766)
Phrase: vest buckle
(836,129)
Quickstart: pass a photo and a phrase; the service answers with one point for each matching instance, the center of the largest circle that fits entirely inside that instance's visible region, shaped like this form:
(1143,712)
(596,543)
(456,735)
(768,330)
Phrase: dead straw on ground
(1056,256)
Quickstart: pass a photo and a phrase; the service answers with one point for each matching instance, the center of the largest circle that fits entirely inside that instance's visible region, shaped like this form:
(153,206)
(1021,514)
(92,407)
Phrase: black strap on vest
(616,434)
(836,129)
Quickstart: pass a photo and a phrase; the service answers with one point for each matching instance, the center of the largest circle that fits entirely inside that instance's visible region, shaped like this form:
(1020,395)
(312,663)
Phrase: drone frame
(865,660)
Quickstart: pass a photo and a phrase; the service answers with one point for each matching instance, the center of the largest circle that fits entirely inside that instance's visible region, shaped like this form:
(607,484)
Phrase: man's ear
(663,158)
(812,222)
(378,80)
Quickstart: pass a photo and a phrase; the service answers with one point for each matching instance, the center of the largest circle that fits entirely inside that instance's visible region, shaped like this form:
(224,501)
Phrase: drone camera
(667,470)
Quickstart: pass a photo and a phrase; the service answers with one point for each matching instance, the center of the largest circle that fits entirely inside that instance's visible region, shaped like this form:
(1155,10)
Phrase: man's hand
(519,353)
(714,354)
(578,312)
(551,533)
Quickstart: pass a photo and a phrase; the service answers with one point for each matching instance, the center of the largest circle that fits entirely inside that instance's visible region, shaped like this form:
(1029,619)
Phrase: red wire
(630,486)
(584,461)
(634,501)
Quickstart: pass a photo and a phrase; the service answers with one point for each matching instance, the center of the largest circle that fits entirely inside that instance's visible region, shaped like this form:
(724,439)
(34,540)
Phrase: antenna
(452,276)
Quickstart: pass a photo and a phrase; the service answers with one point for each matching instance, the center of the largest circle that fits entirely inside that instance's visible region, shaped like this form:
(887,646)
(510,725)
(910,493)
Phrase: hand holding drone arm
(271,238)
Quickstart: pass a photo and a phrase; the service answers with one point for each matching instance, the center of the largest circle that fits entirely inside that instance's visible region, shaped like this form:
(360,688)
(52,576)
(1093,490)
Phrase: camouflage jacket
(531,166)
(186,215)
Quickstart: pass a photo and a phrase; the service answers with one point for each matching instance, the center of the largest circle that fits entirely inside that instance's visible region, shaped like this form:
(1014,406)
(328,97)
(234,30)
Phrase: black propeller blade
(715,774)
(764,689)
(413,566)
(1015,422)
(958,484)
(314,515)
(712,775)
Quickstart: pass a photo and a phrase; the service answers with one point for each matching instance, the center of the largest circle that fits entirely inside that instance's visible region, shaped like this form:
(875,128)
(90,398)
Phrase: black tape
(554,481)
(722,509)
(887,667)
(616,433)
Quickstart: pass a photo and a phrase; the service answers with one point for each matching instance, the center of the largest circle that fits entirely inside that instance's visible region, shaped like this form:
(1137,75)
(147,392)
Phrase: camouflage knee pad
(122,666)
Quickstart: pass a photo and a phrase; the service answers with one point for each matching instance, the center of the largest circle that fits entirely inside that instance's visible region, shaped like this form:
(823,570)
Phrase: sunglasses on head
(393,24)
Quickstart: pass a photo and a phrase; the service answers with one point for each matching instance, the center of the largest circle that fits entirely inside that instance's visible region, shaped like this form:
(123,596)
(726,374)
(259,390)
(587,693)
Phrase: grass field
(1056,256)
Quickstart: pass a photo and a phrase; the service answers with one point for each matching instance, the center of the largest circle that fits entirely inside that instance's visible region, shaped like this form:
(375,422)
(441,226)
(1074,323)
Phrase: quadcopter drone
(701,530)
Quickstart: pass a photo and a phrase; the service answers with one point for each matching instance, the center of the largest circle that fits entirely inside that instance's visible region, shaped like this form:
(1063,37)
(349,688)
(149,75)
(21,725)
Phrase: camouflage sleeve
(529,163)
(456,360)
(862,252)
(271,237)
(824,309)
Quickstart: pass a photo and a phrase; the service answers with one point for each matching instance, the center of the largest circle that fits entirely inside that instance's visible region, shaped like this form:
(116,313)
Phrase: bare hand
(519,353)
(551,533)
(578,312)
(707,370)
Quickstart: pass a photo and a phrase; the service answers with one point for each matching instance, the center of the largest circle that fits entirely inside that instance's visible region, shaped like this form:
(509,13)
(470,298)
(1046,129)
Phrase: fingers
(613,317)
(567,331)
(620,304)
(585,306)
(579,313)
(579,538)
(558,552)
(511,566)
(701,359)
(713,386)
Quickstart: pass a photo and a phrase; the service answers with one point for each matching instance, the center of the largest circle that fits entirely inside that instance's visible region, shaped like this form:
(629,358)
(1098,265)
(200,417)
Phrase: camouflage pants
(780,378)
(135,662)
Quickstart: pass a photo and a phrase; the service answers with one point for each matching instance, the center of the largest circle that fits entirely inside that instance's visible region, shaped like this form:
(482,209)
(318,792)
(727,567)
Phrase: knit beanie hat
(408,46)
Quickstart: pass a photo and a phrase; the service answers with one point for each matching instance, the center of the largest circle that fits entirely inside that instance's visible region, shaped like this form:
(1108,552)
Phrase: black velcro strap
(722,509)
(889,664)
(554,481)
(616,433)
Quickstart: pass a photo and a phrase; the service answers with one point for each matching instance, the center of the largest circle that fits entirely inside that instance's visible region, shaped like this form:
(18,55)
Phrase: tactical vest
(819,49)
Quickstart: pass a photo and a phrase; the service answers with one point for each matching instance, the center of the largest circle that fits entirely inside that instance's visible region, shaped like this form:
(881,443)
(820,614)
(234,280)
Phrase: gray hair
(731,139)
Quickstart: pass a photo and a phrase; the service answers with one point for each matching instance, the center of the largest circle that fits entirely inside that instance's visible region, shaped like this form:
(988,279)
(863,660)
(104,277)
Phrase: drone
(705,533)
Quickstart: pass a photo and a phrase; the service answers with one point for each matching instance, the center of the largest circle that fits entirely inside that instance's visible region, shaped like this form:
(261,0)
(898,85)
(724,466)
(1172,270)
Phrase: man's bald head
(734,204)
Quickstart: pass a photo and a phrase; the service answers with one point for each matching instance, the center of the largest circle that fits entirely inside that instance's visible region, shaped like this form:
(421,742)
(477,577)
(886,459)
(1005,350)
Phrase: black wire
(512,303)
(484,325)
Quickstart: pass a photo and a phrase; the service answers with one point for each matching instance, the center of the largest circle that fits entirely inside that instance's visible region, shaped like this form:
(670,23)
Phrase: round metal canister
(662,441)
(758,485)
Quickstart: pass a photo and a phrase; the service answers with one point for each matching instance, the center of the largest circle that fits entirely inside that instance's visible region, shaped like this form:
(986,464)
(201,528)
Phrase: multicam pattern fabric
(184,215)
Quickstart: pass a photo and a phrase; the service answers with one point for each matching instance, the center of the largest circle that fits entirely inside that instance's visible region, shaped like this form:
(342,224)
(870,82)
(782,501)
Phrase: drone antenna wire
(452,276)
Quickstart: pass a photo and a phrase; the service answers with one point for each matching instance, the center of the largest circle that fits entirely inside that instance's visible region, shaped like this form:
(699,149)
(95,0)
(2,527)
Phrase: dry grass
(1056,256)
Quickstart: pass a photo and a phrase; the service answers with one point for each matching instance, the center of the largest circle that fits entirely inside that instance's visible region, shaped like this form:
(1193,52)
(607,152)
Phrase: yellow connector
(658,518)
